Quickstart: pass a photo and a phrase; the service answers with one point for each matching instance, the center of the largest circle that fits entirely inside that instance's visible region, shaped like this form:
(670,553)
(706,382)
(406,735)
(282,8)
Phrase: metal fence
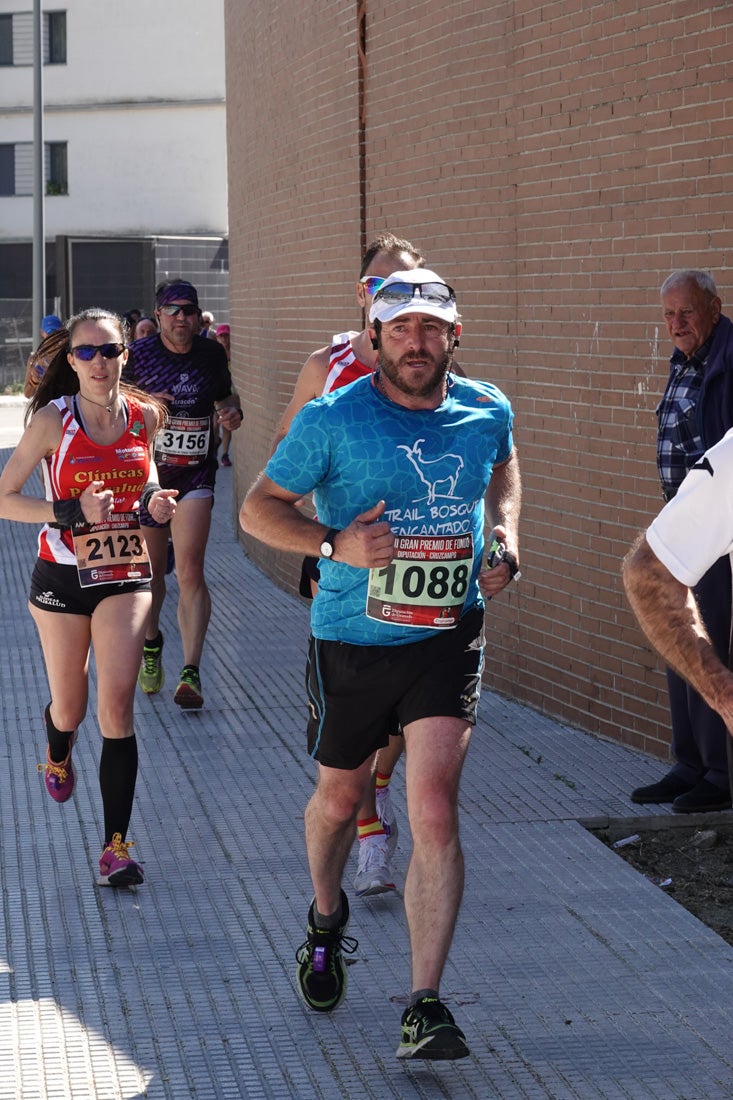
(16,342)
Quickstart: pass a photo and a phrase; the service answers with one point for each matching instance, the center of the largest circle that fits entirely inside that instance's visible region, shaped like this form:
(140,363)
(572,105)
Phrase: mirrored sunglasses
(435,293)
(86,352)
(372,283)
(173,311)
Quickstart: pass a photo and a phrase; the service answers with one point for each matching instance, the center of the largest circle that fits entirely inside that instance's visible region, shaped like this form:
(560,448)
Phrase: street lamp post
(39,179)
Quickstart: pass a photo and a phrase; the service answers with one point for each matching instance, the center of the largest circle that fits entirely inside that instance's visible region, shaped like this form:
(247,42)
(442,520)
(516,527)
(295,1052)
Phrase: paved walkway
(572,975)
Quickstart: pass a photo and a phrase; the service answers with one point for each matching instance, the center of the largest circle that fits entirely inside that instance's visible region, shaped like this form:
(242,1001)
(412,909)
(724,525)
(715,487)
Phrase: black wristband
(149,489)
(511,561)
(68,513)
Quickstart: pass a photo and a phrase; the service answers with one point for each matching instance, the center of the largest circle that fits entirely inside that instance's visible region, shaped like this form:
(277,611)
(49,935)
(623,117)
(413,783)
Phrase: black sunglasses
(86,352)
(173,311)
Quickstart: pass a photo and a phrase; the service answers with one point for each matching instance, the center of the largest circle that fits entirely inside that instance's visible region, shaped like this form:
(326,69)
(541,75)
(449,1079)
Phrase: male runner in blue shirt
(399,463)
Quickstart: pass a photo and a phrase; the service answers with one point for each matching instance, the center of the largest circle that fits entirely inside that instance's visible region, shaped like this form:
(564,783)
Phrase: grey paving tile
(572,975)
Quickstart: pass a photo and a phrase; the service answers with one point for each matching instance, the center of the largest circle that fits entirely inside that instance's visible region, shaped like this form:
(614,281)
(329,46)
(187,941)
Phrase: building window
(54,38)
(23,168)
(57,179)
(16,38)
(16,168)
(6,40)
(7,169)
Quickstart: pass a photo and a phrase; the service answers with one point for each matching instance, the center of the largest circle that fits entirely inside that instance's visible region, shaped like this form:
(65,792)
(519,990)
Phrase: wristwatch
(327,544)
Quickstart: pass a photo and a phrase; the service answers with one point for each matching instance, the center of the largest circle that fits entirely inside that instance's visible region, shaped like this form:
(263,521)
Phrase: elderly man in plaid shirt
(695,413)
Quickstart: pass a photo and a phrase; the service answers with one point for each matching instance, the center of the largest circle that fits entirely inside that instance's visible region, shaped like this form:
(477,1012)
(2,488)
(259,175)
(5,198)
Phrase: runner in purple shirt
(191,375)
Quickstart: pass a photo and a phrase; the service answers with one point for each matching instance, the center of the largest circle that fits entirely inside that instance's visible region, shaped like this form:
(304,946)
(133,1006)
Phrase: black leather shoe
(703,797)
(666,790)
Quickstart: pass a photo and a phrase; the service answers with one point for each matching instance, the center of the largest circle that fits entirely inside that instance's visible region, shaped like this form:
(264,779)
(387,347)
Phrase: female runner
(92,436)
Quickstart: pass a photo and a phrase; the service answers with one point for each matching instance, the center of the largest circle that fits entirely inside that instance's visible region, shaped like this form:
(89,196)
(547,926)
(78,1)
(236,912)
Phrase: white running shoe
(373,875)
(387,818)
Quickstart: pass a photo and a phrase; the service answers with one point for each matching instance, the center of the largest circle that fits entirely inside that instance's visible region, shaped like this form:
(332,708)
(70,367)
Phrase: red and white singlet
(123,465)
(343,366)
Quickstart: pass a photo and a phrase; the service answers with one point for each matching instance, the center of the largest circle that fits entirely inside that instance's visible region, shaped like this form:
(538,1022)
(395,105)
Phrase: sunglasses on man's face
(87,352)
(173,311)
(436,293)
(372,283)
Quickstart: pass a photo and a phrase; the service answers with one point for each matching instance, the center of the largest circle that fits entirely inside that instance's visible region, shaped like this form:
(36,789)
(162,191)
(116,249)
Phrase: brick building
(555,161)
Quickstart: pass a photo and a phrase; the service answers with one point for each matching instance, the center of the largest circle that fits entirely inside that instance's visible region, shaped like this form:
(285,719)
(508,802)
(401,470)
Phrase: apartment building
(134,154)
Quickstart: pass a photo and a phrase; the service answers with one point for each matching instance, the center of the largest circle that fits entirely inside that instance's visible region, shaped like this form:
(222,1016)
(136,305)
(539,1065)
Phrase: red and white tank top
(343,366)
(123,465)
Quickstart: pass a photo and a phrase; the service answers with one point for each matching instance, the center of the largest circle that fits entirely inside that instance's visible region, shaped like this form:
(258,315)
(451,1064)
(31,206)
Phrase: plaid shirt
(679,442)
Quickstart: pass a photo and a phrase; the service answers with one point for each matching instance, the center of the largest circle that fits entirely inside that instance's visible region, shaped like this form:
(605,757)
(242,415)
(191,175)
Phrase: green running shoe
(151,675)
(188,693)
(321,970)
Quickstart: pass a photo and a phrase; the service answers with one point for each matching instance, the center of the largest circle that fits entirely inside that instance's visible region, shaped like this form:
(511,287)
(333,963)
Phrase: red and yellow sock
(369,827)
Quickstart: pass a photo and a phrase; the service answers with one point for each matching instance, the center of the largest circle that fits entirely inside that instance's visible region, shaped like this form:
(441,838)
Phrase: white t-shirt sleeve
(696,527)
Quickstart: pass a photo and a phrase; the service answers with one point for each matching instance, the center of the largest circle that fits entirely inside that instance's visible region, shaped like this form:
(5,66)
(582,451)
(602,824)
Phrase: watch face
(326,549)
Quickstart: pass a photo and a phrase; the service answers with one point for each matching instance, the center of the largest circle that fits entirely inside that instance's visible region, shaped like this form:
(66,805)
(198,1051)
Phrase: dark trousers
(699,734)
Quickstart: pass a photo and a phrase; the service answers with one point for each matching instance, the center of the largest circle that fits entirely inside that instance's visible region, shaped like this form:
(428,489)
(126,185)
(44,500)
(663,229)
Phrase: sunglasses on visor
(86,352)
(173,311)
(435,293)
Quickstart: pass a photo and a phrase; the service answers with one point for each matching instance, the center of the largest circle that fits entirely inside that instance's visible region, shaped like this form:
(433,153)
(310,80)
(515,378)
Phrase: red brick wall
(555,161)
(292,97)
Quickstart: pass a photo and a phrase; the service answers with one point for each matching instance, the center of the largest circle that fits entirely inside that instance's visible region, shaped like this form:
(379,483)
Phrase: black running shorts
(56,588)
(359,695)
(308,572)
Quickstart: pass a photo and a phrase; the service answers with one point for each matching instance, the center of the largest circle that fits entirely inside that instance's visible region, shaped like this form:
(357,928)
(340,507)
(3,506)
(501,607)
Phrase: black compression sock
(117,775)
(58,740)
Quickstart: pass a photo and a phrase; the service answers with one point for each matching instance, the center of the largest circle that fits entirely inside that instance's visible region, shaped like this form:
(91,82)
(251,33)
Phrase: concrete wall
(555,161)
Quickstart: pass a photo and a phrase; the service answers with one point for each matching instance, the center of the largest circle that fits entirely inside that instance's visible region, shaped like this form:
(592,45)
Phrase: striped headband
(182,291)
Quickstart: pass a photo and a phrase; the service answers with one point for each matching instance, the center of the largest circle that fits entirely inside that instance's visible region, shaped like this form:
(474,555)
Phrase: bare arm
(504,500)
(269,513)
(503,504)
(162,505)
(40,438)
(669,616)
(229,413)
(310,383)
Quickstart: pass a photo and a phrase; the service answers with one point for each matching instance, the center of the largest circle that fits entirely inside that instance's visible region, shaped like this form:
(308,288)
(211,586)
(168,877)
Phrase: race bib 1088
(425,584)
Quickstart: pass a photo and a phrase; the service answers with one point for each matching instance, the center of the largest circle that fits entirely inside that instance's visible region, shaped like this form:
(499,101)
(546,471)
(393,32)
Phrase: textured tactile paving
(572,976)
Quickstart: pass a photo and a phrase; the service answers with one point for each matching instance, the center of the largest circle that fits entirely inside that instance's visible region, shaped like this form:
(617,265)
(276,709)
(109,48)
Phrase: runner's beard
(425,387)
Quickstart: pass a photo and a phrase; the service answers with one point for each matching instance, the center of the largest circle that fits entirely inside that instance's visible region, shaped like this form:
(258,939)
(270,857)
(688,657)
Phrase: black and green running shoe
(321,969)
(151,675)
(429,1031)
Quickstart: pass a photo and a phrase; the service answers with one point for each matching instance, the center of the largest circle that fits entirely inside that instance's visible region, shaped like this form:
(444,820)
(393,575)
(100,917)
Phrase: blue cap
(51,323)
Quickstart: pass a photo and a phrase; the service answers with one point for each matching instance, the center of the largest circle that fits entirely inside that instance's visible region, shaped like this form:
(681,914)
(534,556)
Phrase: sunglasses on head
(372,283)
(173,311)
(436,293)
(86,352)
